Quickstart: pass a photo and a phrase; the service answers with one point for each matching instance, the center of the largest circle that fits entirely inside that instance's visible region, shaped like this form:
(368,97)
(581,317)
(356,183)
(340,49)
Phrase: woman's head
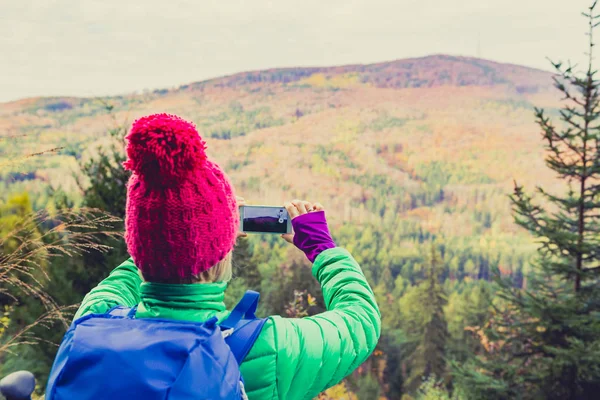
(181,216)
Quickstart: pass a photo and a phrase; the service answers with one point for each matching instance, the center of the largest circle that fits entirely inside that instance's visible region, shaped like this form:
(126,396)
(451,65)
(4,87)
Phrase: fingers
(291,209)
(300,207)
(303,207)
(296,208)
(309,206)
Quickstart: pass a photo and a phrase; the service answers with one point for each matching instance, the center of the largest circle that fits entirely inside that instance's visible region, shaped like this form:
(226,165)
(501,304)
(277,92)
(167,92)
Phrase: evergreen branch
(567,94)
(592,269)
(567,114)
(529,216)
(549,132)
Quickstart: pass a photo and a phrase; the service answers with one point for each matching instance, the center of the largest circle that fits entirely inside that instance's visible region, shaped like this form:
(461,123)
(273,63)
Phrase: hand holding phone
(311,233)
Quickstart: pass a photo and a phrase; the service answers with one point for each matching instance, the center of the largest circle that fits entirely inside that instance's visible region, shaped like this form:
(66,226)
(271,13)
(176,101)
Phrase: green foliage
(244,266)
(432,389)
(367,388)
(441,174)
(544,341)
(106,190)
(385,121)
(468,306)
(284,274)
(246,275)
(34,283)
(428,358)
(238,122)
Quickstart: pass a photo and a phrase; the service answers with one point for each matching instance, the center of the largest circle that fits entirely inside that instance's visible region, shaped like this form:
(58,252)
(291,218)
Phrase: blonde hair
(220,272)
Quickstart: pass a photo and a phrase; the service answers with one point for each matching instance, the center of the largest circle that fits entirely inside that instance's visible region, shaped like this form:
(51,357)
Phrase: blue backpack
(118,357)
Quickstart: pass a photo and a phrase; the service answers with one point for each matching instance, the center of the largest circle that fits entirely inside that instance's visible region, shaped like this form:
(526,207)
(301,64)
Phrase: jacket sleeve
(121,287)
(317,352)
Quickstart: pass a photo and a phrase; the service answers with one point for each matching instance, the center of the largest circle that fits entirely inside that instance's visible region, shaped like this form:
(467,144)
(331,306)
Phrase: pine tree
(386,279)
(545,342)
(367,388)
(428,360)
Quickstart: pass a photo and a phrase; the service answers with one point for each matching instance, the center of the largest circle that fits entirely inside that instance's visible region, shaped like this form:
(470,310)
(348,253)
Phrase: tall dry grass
(32,245)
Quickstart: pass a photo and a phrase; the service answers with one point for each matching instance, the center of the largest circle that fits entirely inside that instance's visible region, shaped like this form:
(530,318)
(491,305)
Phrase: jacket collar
(192,302)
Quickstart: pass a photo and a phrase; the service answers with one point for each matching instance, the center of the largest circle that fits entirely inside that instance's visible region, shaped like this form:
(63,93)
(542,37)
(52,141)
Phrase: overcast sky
(100,47)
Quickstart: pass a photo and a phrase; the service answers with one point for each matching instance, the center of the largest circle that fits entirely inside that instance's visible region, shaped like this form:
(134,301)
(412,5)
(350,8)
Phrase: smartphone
(265,219)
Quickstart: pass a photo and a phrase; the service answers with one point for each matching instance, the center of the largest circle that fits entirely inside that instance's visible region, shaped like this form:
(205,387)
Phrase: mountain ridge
(293,74)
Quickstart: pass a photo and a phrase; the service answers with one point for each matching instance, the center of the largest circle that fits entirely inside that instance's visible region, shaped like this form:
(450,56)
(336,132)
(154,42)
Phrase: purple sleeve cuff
(311,234)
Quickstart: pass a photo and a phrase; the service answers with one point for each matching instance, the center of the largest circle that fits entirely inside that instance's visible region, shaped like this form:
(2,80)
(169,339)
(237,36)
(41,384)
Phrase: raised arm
(317,352)
(121,287)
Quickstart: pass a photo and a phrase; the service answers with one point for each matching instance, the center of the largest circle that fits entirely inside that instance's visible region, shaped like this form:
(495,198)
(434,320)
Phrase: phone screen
(264,219)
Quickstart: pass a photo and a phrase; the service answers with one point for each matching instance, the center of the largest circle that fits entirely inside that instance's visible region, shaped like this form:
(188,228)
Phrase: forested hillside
(413,159)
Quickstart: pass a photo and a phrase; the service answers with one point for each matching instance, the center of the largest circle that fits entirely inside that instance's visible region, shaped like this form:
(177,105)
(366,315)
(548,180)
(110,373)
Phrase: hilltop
(431,71)
(353,137)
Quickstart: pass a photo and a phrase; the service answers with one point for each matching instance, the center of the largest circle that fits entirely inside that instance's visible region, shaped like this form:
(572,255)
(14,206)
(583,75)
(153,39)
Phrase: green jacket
(293,358)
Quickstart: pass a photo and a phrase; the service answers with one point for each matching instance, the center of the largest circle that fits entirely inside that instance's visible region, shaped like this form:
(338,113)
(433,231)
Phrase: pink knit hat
(181,216)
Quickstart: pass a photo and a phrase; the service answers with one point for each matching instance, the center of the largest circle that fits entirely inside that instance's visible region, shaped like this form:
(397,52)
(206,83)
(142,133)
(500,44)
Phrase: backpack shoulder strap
(243,338)
(245,309)
(246,327)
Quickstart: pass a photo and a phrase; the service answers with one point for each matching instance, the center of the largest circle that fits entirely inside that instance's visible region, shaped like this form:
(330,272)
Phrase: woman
(181,225)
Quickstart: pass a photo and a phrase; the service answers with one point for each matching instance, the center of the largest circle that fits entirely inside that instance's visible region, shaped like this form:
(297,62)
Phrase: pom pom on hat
(164,149)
